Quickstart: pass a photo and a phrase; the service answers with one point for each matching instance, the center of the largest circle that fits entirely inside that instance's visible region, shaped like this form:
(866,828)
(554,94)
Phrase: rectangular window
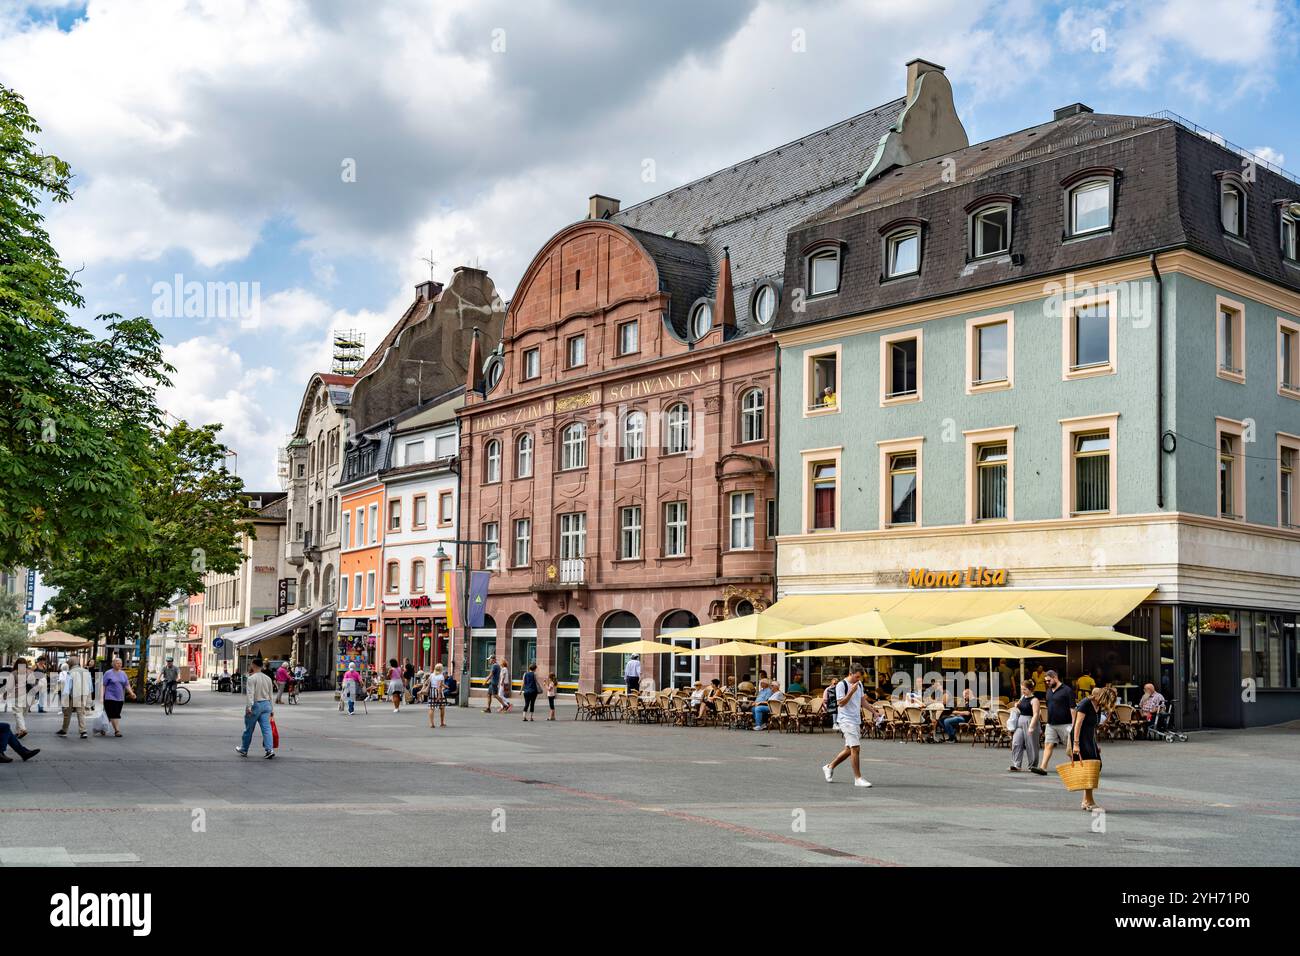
(532,363)
(395,514)
(825,485)
(902,254)
(742,521)
(440,575)
(991,481)
(990,356)
(1288,507)
(343,592)
(576,350)
(523,541)
(1092,473)
(822,381)
(374,524)
(414,453)
(630,533)
(1288,358)
(393,577)
(824,272)
(990,231)
(902,368)
(361,527)
(1230,339)
(346,538)
(675,529)
(1090,207)
(1290,245)
(356,591)
(771,517)
(444,446)
(420,511)
(629,338)
(902,488)
(573,547)
(370,589)
(1089,336)
(446,508)
(1229,440)
(492,550)
(417,576)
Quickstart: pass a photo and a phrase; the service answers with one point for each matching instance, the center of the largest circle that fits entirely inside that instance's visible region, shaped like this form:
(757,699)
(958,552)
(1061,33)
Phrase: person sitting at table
(1151,702)
(711,695)
(697,694)
(746,686)
(796,683)
(960,714)
(761,708)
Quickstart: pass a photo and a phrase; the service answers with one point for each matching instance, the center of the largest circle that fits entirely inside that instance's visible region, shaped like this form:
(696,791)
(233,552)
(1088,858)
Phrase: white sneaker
(827,772)
(859,782)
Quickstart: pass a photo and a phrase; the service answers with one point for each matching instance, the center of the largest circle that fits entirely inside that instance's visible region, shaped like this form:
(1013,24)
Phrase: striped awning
(275,626)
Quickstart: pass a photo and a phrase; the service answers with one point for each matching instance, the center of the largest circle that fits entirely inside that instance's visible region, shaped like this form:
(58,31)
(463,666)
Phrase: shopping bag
(100,723)
(275,735)
(1080,774)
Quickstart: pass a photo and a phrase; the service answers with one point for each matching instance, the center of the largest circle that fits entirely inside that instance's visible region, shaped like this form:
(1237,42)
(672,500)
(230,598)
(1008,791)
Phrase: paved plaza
(380,788)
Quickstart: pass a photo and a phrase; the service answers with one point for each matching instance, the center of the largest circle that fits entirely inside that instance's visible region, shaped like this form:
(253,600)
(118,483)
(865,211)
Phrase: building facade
(1068,354)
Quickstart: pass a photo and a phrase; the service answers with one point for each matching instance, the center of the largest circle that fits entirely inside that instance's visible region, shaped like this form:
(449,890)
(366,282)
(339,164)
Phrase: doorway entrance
(683,671)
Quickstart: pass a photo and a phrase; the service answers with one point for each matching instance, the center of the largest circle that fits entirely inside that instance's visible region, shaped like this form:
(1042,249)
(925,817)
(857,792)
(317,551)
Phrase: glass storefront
(568,663)
(620,628)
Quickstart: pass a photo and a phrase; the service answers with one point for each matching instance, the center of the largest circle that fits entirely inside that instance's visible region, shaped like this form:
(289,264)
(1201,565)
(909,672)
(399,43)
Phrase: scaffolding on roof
(349,351)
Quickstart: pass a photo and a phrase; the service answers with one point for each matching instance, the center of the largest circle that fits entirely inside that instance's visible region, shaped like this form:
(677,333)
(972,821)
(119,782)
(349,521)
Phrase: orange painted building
(361,525)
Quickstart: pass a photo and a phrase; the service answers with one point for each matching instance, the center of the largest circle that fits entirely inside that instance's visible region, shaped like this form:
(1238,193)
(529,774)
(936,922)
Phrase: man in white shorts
(848,720)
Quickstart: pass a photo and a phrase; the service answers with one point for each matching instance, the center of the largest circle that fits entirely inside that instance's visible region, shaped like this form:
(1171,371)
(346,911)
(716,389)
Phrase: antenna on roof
(431,261)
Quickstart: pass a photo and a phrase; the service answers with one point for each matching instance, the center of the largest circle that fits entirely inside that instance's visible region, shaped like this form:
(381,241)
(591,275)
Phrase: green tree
(76,410)
(13,628)
(195,514)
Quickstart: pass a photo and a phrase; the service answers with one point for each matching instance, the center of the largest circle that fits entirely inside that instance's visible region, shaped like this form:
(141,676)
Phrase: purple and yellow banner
(478,592)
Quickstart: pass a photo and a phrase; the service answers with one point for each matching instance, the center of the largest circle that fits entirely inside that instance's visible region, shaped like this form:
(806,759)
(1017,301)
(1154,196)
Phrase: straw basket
(1080,774)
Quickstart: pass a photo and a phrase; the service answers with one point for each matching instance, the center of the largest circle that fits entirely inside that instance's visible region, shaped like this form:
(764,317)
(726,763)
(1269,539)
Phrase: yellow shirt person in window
(828,397)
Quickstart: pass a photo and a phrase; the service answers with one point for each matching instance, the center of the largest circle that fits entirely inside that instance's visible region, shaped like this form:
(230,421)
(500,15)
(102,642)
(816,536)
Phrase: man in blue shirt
(761,709)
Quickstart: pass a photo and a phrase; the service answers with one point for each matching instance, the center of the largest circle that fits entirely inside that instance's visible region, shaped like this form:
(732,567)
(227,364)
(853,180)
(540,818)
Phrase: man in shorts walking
(848,721)
(1060,719)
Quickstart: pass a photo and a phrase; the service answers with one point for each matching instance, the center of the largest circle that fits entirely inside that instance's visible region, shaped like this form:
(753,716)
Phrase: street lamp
(441,555)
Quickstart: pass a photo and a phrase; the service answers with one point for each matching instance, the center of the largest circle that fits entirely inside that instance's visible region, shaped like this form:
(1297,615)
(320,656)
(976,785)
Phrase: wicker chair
(916,727)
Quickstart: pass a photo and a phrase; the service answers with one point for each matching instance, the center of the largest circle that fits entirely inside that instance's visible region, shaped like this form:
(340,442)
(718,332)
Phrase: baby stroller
(1160,726)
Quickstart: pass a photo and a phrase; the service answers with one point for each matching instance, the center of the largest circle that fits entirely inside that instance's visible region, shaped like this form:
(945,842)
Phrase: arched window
(701,320)
(573,447)
(524,456)
(753,416)
(304,590)
(678,439)
(824,271)
(632,444)
(990,230)
(492,461)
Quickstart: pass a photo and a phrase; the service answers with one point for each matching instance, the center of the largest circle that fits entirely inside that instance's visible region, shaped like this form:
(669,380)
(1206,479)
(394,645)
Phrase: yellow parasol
(750,627)
(869,626)
(732,649)
(852,649)
(1022,627)
(637,647)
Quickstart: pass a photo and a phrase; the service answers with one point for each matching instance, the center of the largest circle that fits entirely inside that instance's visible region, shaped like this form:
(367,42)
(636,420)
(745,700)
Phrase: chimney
(474,374)
(601,207)
(427,291)
(1074,109)
(915,69)
(725,300)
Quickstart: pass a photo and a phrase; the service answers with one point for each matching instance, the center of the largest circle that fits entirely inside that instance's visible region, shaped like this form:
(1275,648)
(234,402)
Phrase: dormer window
(765,300)
(990,230)
(492,373)
(1232,209)
(903,252)
(701,320)
(824,271)
(1290,228)
(1090,206)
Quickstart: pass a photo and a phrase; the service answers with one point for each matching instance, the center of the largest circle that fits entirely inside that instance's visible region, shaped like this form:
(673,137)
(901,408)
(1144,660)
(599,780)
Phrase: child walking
(551,686)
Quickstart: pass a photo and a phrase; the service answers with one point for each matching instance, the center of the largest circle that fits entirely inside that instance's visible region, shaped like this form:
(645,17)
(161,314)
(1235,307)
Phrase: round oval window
(493,374)
(765,305)
(701,320)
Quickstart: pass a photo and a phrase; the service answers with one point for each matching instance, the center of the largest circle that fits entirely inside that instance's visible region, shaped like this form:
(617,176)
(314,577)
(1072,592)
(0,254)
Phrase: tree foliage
(76,410)
(13,626)
(195,513)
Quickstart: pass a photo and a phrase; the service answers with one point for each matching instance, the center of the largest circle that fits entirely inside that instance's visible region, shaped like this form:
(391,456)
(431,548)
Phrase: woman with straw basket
(1083,772)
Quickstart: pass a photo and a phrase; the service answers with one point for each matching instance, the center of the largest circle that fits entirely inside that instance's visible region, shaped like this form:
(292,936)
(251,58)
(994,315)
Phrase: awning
(276,626)
(1100,606)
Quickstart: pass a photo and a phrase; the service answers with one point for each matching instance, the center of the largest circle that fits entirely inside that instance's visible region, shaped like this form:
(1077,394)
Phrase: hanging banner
(452,590)
(478,592)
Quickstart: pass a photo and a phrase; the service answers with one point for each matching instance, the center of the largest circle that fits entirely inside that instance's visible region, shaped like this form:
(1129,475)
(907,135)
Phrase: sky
(315,154)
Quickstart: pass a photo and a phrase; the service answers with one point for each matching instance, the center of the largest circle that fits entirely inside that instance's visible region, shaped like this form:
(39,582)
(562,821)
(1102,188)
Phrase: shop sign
(282,597)
(264,568)
(655,384)
(407,604)
(427,643)
(968,578)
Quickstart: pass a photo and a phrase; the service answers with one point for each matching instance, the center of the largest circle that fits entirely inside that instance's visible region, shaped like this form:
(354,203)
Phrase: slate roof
(1166,197)
(749,207)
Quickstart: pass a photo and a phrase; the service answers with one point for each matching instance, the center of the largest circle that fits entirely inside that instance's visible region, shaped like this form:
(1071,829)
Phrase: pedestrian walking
(1086,718)
(551,686)
(408,680)
(75,694)
(351,687)
(505,688)
(494,683)
(396,687)
(1060,718)
(258,709)
(437,696)
(9,739)
(19,682)
(1024,740)
(117,687)
(531,690)
(282,679)
(632,673)
(848,720)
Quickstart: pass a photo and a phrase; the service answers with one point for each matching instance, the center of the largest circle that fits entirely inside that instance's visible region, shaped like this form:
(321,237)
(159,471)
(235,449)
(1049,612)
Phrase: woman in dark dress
(1087,715)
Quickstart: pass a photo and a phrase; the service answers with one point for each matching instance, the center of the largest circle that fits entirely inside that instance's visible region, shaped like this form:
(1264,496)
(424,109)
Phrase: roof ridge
(847,121)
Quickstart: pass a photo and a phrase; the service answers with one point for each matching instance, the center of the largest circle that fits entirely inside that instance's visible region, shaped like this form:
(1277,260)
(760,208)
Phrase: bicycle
(168,699)
(292,691)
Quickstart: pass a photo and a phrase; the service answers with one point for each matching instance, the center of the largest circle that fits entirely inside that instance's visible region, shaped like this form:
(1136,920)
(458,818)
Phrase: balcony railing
(558,574)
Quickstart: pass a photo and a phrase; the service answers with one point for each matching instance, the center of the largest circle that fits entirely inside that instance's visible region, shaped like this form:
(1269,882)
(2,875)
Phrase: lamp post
(463,546)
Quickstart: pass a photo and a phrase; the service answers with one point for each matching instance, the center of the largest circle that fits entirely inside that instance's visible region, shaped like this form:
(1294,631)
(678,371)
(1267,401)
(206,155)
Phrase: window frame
(580,445)
(1083,425)
(492,461)
(1291,443)
(1069,343)
(1237,309)
(371,590)
(570,341)
(973,246)
(416,523)
(632,534)
(1087,184)
(759,290)
(671,428)
(393,577)
(811,458)
(1288,329)
(1231,186)
(977,438)
(887,449)
(421,586)
(531,356)
(973,328)
(394,512)
(526,538)
(669,525)
(892,241)
(373,520)
(751,517)
(700,308)
(748,415)
(635,326)
(824,250)
(810,380)
(626,452)
(520,454)
(1234,432)
(492,547)
(357,594)
(1291,252)
(886,367)
(446,496)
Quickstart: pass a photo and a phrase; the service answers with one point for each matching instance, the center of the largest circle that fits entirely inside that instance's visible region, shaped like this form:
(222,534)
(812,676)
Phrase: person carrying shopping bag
(259,710)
